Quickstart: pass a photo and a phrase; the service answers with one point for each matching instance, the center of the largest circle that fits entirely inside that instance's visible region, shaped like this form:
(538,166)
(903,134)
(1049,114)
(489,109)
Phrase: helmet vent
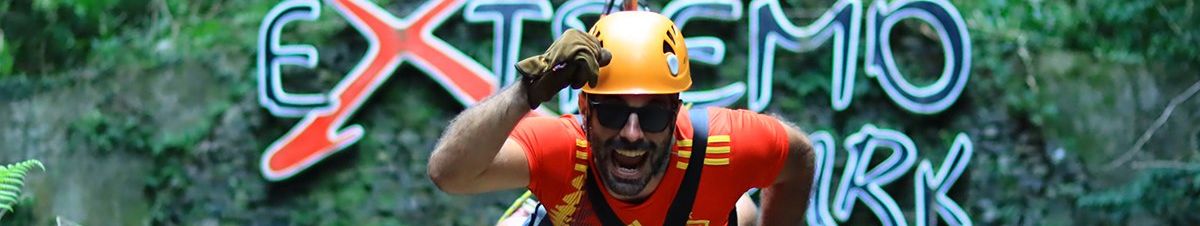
(667,48)
(597,34)
(672,60)
(673,64)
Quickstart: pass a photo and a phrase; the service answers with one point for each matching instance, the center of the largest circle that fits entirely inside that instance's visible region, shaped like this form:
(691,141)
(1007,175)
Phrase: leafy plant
(12,178)
(6,60)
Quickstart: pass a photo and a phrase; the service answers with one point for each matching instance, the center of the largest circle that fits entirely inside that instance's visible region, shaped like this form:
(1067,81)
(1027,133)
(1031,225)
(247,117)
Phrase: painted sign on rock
(394,40)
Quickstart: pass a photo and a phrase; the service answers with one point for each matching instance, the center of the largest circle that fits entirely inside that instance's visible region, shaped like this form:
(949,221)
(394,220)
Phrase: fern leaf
(7,199)
(12,178)
(11,181)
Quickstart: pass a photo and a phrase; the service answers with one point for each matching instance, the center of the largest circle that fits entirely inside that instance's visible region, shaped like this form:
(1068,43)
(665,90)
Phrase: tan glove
(574,59)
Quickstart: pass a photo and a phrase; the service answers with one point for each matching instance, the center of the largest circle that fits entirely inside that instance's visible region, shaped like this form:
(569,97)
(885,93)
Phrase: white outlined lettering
(859,183)
(393,41)
(951,29)
(272,56)
(507,17)
(567,17)
(707,49)
(825,150)
(769,27)
(925,180)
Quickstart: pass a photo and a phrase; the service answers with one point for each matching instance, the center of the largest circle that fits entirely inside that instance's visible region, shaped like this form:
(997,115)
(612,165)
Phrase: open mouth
(629,165)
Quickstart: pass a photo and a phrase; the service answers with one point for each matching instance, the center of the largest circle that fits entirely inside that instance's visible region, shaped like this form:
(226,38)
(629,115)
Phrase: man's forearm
(474,137)
(783,205)
(785,201)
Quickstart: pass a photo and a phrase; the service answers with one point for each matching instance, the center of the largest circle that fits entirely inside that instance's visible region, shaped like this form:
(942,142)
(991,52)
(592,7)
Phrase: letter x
(392,41)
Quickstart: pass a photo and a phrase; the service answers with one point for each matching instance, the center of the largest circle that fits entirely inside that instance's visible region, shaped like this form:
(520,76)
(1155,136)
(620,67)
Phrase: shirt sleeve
(759,146)
(545,140)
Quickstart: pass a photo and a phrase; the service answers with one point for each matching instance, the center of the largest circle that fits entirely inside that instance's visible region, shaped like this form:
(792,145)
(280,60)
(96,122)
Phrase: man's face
(631,137)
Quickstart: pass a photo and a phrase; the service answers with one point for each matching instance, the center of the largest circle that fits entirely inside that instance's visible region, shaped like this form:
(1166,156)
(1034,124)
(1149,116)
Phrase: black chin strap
(685,197)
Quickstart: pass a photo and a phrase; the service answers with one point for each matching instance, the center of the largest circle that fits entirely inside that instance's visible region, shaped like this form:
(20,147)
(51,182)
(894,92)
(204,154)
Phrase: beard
(623,174)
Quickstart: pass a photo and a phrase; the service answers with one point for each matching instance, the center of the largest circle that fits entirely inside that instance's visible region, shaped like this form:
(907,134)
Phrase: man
(627,158)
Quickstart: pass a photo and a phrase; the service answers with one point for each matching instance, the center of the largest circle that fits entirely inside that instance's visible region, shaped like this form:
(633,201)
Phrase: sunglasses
(654,117)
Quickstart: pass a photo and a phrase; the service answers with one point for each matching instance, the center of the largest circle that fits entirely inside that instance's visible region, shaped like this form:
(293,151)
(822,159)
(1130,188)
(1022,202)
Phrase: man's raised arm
(473,156)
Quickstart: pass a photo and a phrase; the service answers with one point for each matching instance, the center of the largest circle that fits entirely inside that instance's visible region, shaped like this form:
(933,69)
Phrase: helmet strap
(626,5)
(630,5)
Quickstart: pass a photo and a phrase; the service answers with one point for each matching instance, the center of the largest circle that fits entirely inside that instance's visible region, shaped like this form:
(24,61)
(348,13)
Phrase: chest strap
(685,197)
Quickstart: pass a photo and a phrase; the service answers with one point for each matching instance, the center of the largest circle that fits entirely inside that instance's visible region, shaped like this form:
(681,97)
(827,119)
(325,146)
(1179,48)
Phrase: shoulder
(749,142)
(564,123)
(550,144)
(544,130)
(736,122)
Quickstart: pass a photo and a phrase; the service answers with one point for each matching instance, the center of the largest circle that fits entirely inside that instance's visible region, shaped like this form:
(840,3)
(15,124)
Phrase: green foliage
(1170,193)
(50,35)
(107,133)
(12,178)
(6,58)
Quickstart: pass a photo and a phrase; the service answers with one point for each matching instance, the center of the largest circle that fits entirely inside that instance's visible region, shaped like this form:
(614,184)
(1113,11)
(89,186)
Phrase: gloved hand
(574,59)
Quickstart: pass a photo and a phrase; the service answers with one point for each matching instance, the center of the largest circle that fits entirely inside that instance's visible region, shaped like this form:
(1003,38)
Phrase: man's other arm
(784,202)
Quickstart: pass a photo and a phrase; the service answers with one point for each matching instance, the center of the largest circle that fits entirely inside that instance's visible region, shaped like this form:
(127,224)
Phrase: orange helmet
(648,55)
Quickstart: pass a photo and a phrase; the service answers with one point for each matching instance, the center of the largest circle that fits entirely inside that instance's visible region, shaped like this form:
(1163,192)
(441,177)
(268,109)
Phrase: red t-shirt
(745,150)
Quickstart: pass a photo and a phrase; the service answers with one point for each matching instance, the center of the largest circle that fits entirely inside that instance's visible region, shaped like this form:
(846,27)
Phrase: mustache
(619,143)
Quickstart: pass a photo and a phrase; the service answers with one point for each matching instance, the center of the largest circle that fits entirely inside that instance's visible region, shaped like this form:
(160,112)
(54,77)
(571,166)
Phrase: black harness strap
(733,221)
(599,205)
(681,207)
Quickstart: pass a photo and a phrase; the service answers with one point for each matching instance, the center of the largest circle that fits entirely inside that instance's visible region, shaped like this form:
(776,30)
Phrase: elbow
(454,188)
(444,178)
(445,184)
